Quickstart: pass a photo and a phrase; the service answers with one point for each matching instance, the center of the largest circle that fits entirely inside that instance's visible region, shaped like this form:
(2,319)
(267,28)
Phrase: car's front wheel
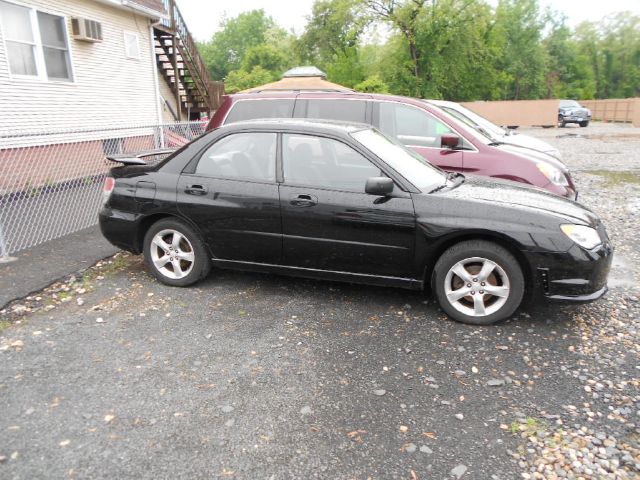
(478,282)
(584,124)
(175,254)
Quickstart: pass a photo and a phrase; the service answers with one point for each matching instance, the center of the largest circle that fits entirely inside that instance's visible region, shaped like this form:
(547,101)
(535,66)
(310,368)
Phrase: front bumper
(575,118)
(578,275)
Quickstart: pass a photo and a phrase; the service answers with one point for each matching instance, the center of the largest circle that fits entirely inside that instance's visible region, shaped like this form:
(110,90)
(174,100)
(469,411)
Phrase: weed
(4,324)
(64,295)
(615,178)
(532,426)
(119,263)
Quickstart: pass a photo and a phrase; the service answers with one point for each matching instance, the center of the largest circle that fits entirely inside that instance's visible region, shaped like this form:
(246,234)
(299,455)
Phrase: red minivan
(437,136)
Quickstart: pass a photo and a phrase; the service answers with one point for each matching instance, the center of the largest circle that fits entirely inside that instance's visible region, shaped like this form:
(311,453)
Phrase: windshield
(569,104)
(475,121)
(406,162)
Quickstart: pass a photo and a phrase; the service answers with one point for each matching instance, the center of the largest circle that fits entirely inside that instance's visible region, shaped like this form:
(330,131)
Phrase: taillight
(109,184)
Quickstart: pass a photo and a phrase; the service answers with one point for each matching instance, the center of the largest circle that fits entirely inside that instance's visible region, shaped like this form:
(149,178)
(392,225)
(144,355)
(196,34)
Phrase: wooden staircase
(182,67)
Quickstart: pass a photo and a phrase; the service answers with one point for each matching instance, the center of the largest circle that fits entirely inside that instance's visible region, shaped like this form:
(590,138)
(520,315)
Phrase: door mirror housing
(380,186)
(449,140)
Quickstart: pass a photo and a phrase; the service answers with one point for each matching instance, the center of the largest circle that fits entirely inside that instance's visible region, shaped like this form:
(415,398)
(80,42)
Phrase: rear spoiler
(137,158)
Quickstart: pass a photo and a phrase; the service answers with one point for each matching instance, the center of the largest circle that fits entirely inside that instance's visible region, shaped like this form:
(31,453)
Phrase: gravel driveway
(248,376)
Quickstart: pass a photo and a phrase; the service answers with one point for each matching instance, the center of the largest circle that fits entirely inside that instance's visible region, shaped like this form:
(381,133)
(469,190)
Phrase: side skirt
(400,282)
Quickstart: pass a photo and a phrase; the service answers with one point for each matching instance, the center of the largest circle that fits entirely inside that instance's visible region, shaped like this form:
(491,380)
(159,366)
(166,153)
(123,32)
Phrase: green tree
(267,57)
(516,37)
(439,46)
(238,80)
(373,84)
(568,72)
(227,48)
(331,39)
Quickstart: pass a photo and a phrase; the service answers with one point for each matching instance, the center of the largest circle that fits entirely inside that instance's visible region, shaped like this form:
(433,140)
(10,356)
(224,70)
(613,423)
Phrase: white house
(95,64)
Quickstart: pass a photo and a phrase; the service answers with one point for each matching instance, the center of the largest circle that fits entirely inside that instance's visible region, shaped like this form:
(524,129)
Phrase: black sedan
(344,202)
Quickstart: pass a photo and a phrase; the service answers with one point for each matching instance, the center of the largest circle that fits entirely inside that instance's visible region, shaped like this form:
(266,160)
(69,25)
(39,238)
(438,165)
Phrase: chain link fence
(51,182)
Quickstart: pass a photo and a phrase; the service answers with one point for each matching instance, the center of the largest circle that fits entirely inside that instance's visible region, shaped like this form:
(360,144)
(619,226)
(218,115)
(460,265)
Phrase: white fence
(51,182)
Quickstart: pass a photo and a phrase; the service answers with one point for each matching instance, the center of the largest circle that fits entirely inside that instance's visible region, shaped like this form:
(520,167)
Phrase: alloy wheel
(477,286)
(172,254)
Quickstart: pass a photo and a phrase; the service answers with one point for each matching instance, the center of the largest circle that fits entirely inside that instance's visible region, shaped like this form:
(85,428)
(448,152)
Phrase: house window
(36,43)
(131,46)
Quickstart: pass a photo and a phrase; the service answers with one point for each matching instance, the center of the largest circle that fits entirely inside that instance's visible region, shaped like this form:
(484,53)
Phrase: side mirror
(449,140)
(380,186)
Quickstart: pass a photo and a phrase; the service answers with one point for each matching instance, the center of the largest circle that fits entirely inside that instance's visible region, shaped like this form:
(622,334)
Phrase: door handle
(303,200)
(195,190)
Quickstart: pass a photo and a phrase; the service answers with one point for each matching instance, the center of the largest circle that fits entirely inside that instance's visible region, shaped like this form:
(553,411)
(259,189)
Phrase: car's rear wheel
(584,124)
(478,282)
(175,254)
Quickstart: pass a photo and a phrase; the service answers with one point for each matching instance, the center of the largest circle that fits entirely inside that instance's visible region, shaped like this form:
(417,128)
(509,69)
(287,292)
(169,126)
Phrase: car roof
(304,124)
(441,103)
(328,95)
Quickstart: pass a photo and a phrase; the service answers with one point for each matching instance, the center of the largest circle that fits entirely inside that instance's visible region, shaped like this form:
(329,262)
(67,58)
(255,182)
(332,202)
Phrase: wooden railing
(209,90)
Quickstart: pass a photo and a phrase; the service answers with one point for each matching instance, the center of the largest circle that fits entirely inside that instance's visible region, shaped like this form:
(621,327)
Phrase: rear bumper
(578,276)
(119,228)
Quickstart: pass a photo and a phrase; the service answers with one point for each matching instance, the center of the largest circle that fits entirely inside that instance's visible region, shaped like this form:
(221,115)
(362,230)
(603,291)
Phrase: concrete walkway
(39,266)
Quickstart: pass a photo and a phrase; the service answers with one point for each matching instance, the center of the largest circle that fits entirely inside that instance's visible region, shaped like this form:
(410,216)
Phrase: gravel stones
(458,471)
(495,382)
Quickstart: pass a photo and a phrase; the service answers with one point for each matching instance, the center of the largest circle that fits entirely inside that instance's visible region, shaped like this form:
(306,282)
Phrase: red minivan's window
(341,109)
(263,108)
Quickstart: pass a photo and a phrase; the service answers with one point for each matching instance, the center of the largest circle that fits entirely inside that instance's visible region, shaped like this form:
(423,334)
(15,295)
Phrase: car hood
(523,197)
(574,110)
(529,142)
(531,154)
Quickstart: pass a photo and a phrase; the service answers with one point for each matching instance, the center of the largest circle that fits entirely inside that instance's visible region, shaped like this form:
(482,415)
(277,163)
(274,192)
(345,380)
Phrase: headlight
(584,236)
(553,174)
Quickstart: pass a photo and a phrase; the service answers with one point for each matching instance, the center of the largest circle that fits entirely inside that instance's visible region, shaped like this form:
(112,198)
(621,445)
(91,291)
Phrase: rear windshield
(264,108)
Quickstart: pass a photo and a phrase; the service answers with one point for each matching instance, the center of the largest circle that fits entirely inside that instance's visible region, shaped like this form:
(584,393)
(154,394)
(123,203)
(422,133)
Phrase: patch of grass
(531,427)
(4,324)
(612,177)
(64,295)
(118,264)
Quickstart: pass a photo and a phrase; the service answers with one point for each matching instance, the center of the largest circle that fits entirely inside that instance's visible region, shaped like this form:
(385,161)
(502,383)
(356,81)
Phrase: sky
(203,16)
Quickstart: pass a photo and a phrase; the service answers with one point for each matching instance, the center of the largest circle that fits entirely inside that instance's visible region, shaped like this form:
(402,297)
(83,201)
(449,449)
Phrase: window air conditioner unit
(86,30)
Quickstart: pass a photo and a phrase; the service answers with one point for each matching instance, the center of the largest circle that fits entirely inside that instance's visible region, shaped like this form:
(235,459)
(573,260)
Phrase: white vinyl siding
(108,89)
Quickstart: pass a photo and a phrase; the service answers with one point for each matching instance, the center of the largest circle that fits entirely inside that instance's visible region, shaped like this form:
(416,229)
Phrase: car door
(329,223)
(420,130)
(231,194)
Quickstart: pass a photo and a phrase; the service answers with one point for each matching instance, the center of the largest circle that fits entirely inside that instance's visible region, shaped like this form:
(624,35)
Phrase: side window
(411,126)
(254,109)
(250,156)
(345,110)
(324,163)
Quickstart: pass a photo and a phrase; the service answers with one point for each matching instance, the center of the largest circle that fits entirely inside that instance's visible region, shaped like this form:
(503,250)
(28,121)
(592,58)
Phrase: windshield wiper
(450,177)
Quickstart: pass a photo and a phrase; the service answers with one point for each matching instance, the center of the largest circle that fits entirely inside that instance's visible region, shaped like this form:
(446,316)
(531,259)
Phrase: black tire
(561,121)
(584,124)
(194,270)
(508,265)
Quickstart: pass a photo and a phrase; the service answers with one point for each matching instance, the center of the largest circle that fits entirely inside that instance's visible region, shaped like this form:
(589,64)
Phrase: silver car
(492,130)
